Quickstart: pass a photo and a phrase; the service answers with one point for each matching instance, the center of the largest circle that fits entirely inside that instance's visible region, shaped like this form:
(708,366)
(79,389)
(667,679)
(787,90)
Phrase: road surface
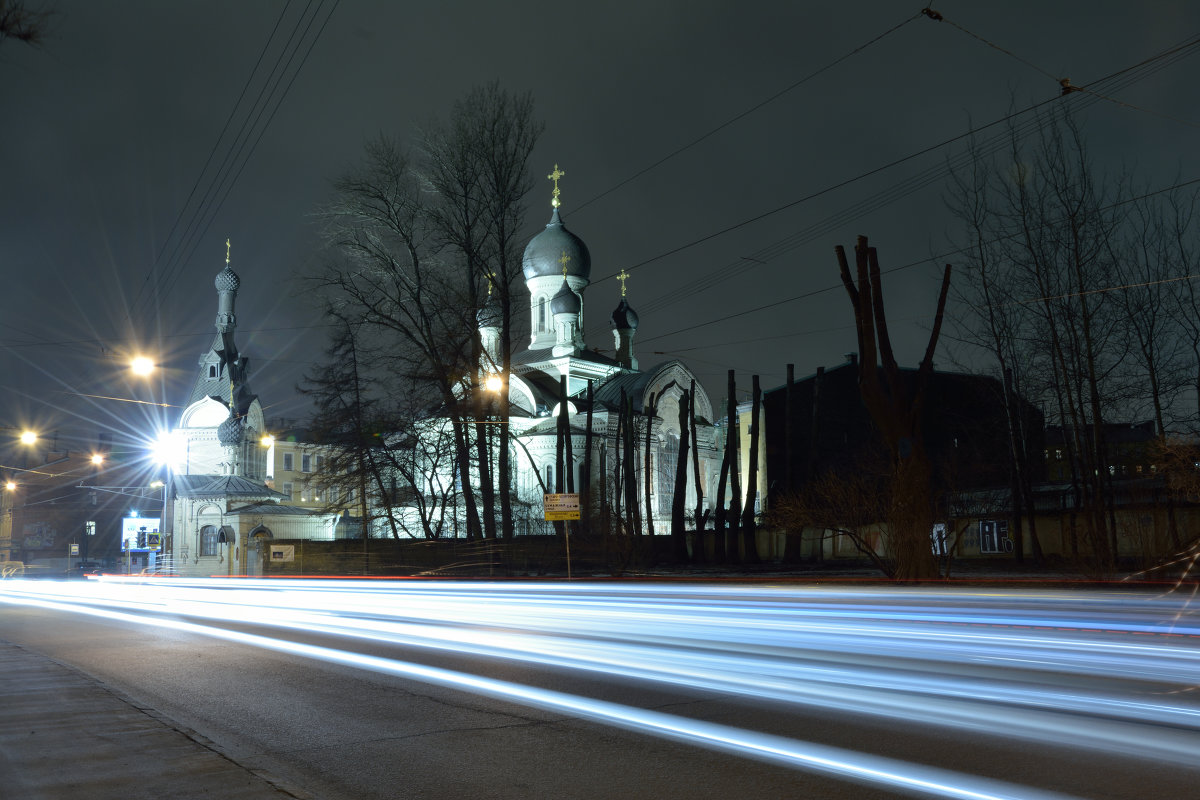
(368,689)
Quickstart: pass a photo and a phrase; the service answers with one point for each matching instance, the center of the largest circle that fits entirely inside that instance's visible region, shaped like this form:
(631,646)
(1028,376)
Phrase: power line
(216,144)
(910,265)
(221,183)
(743,114)
(1119,79)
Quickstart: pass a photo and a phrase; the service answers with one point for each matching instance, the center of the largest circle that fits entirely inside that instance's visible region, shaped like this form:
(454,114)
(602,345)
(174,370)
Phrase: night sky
(107,127)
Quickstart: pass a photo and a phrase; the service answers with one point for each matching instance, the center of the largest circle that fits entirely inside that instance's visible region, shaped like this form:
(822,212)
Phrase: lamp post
(8,526)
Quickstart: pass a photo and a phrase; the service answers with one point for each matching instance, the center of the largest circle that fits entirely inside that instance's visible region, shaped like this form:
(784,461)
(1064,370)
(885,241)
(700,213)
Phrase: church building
(557,268)
(221,514)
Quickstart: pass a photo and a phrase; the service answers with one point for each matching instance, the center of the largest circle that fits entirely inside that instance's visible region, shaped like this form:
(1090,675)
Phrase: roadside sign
(561,506)
(74,549)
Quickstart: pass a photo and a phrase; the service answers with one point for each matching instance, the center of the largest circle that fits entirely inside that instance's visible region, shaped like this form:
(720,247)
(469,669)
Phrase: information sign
(561,506)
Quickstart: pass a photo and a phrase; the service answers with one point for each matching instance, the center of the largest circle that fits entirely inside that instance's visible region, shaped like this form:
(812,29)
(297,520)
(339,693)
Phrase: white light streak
(1110,672)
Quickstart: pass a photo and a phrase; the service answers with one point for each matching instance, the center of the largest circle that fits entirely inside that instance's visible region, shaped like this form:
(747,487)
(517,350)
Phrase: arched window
(541,314)
(212,370)
(549,478)
(208,541)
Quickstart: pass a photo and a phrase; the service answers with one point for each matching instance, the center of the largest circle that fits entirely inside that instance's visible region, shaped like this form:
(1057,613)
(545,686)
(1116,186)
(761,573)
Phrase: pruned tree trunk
(698,553)
(735,483)
(897,409)
(749,539)
(679,492)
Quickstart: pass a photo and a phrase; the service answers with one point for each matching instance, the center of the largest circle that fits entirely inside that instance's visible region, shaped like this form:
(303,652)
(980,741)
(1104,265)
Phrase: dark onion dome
(227,280)
(490,315)
(543,254)
(232,430)
(565,301)
(624,317)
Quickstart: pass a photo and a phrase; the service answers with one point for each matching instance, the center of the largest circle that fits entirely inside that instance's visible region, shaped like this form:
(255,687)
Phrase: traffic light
(141,537)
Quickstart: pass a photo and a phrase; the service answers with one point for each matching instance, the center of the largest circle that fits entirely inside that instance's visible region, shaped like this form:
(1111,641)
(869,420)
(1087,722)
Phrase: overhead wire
(747,112)
(208,161)
(225,178)
(936,258)
(1115,81)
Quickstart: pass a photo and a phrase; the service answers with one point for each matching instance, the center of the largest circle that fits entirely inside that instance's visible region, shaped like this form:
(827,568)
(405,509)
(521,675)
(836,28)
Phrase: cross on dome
(554,176)
(564,259)
(227,252)
(622,277)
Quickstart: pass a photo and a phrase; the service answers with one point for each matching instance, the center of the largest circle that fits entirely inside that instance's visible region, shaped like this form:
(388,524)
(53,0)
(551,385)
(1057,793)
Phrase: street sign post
(561,506)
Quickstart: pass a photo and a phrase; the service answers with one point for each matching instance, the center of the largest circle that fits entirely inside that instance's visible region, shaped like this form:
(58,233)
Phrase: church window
(287,490)
(541,314)
(208,541)
(212,370)
(305,462)
(549,478)
(289,462)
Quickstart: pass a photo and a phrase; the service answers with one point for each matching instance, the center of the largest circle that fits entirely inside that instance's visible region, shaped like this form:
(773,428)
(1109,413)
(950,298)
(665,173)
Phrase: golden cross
(564,259)
(490,277)
(622,277)
(554,176)
(226,252)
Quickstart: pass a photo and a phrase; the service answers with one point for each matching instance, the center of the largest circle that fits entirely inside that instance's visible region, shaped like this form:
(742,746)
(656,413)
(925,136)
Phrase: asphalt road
(445,690)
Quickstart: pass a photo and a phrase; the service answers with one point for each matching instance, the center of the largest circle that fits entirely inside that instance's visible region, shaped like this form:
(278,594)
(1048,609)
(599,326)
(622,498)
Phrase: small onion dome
(490,315)
(565,301)
(232,430)
(227,280)
(624,317)
(544,253)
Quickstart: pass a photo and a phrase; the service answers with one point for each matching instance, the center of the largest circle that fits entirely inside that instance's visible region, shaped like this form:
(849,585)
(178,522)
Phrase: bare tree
(478,165)
(20,22)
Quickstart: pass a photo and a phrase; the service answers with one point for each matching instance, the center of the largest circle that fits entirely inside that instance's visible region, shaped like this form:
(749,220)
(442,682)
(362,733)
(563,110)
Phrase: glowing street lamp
(97,458)
(28,437)
(493,382)
(141,365)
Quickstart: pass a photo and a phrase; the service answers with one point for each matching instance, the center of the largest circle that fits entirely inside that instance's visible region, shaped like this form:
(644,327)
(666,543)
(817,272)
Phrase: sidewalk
(65,737)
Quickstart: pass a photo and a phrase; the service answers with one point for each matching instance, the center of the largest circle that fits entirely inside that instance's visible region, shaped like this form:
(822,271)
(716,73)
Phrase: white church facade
(220,513)
(557,272)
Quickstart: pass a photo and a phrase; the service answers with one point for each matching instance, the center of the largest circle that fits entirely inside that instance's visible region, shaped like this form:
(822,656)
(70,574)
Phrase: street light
(28,437)
(141,365)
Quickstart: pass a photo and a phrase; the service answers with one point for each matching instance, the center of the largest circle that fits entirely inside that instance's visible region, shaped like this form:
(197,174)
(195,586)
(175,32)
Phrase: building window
(320,463)
(549,479)
(993,536)
(212,370)
(334,495)
(306,463)
(287,490)
(289,462)
(541,314)
(208,541)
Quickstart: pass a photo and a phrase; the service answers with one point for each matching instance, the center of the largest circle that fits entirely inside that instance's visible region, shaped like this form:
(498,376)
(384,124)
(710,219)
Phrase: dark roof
(217,486)
(274,509)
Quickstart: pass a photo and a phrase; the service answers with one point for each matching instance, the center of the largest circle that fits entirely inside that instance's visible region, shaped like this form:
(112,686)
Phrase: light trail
(1110,672)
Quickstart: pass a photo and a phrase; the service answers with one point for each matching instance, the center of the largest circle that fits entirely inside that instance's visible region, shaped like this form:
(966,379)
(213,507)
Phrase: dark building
(965,431)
